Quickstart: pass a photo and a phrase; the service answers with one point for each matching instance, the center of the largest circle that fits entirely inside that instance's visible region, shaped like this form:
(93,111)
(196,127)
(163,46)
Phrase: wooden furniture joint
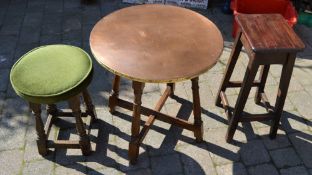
(137,135)
(43,130)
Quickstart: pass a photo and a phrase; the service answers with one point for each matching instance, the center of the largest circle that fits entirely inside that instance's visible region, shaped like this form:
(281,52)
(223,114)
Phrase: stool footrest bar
(233,84)
(247,117)
(63,144)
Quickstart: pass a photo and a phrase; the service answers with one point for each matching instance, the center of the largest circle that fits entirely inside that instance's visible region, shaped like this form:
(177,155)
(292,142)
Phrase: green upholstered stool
(50,74)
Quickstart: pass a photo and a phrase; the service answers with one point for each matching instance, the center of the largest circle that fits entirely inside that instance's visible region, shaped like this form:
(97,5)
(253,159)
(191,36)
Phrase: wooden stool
(267,39)
(50,74)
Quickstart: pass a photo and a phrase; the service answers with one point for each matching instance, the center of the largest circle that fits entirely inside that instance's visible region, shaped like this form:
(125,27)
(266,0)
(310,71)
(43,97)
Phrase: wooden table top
(269,33)
(156,43)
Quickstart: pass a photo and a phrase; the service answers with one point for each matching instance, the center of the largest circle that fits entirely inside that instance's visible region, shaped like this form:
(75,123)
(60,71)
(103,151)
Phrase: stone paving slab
(25,24)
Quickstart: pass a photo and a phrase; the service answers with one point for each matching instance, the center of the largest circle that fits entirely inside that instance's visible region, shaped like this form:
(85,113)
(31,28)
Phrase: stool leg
(263,77)
(135,127)
(89,105)
(282,92)
(172,86)
(242,98)
(41,136)
(74,104)
(113,98)
(198,133)
(230,67)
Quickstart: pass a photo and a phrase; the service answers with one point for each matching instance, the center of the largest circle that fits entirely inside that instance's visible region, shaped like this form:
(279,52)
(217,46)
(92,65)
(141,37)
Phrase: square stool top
(269,33)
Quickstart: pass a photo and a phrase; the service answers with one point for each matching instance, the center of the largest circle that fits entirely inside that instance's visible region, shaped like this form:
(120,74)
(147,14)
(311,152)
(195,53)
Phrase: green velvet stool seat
(50,74)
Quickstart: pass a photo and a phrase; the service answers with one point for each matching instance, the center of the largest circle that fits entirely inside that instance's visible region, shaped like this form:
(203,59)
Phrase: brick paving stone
(54,7)
(123,130)
(2,101)
(4,79)
(280,141)
(160,143)
(23,48)
(11,162)
(51,28)
(67,157)
(108,171)
(10,30)
(13,120)
(214,118)
(292,121)
(50,39)
(150,99)
(8,43)
(299,170)
(232,169)
(72,35)
(75,42)
(31,151)
(196,159)
(308,88)
(265,131)
(267,169)
(71,4)
(276,70)
(161,165)
(86,30)
(30,148)
(302,144)
(285,157)
(71,23)
(13,18)
(52,18)
(207,98)
(38,168)
(140,172)
(91,18)
(102,140)
(33,19)
(254,152)
(220,151)
(6,61)
(180,91)
(122,156)
(29,35)
(77,169)
(295,85)
(271,93)
(302,105)
(302,76)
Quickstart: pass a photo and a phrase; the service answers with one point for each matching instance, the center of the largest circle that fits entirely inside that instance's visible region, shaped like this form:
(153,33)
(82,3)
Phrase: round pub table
(155,44)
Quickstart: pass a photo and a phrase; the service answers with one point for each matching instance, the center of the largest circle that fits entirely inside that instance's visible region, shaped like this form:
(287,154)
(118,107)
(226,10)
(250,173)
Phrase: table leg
(113,98)
(134,144)
(198,132)
(172,88)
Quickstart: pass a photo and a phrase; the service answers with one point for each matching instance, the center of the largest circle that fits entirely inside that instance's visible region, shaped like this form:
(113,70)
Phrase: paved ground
(166,149)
